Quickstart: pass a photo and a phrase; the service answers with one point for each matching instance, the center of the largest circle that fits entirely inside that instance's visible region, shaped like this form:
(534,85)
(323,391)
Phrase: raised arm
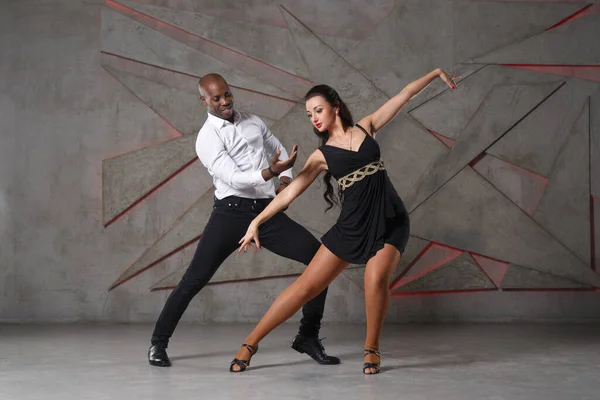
(313,167)
(272,146)
(374,122)
(214,157)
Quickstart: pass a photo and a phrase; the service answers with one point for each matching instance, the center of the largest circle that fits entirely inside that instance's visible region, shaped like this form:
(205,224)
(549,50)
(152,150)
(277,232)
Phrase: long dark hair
(333,98)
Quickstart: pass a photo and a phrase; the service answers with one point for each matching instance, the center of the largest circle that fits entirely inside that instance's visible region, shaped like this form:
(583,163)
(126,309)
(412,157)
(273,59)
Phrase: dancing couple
(372,229)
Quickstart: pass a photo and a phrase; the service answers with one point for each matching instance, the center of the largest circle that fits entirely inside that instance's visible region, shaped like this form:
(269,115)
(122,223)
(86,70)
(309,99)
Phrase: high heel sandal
(243,364)
(374,366)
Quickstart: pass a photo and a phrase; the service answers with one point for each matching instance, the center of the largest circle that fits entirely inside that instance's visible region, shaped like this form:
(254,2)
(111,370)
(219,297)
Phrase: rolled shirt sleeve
(211,152)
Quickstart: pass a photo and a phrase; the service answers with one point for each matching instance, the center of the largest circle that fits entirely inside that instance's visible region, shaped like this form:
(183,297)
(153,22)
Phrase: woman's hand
(251,235)
(449,80)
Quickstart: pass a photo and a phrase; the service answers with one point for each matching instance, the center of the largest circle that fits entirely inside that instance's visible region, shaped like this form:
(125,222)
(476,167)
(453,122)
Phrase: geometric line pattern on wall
(265,265)
(483,221)
(438,88)
(393,54)
(432,257)
(523,187)
(589,72)
(449,112)
(276,47)
(174,95)
(409,150)
(557,46)
(586,10)
(325,65)
(494,269)
(535,142)
(181,81)
(261,13)
(159,52)
(564,210)
(179,108)
(414,249)
(171,281)
(448,142)
(185,231)
(457,275)
(493,25)
(129,178)
(289,82)
(521,278)
(126,37)
(503,108)
(241,267)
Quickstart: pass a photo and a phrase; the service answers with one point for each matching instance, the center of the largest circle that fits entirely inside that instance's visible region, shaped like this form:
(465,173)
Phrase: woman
(373,226)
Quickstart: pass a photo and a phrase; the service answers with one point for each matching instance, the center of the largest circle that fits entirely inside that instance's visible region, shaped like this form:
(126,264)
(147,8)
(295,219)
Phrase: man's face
(219,99)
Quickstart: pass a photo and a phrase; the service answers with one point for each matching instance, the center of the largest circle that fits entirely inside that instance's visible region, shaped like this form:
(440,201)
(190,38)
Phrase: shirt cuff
(257,178)
(287,173)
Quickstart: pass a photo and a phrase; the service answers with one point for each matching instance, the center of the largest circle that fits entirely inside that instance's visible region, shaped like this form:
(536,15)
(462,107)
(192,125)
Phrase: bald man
(233,147)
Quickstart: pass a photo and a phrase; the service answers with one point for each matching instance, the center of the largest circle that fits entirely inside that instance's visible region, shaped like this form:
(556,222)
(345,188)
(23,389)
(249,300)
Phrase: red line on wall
(154,189)
(262,278)
(193,76)
(412,263)
(188,38)
(114,285)
(548,289)
(578,14)
(434,292)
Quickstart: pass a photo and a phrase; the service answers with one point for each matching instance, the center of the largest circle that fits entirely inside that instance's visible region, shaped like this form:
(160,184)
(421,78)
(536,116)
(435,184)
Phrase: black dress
(372,212)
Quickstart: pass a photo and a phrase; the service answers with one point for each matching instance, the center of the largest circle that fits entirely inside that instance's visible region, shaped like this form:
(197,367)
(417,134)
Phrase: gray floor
(419,362)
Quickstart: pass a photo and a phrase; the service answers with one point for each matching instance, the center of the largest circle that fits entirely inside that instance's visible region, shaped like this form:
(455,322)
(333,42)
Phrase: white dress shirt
(234,155)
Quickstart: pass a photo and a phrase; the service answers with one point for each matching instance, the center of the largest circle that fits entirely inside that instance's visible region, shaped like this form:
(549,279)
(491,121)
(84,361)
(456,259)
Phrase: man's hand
(279,166)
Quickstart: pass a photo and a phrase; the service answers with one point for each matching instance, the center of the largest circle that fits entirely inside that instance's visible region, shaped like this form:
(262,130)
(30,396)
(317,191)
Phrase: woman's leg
(378,274)
(321,271)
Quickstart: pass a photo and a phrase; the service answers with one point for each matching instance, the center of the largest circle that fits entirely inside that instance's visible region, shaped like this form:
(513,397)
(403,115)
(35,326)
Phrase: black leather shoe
(157,356)
(314,348)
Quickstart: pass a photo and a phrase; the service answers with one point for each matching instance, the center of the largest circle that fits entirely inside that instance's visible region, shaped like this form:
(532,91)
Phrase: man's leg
(218,241)
(287,238)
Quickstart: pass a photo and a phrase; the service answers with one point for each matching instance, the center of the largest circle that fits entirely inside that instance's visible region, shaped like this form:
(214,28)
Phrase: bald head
(208,80)
(216,95)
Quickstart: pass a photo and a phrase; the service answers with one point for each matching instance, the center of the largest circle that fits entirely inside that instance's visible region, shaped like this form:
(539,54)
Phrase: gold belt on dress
(346,181)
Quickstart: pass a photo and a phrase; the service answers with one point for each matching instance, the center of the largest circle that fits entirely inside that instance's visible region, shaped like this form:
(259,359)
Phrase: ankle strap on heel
(250,348)
(377,352)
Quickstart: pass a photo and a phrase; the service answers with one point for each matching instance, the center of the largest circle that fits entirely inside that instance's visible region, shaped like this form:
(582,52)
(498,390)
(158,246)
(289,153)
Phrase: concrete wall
(100,188)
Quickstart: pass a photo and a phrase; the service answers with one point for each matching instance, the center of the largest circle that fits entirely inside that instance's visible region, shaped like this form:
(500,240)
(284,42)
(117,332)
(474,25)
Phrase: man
(232,147)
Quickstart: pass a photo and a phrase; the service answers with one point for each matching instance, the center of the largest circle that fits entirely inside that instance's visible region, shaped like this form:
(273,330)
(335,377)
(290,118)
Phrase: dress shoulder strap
(363,129)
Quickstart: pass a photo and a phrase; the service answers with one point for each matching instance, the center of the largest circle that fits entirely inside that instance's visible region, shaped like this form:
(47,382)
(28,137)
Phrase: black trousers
(227,225)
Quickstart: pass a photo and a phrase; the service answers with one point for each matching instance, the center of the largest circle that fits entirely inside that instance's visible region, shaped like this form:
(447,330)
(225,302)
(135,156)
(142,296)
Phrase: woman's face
(321,113)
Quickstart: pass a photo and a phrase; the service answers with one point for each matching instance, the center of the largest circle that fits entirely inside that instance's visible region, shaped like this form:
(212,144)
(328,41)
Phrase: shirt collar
(220,122)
